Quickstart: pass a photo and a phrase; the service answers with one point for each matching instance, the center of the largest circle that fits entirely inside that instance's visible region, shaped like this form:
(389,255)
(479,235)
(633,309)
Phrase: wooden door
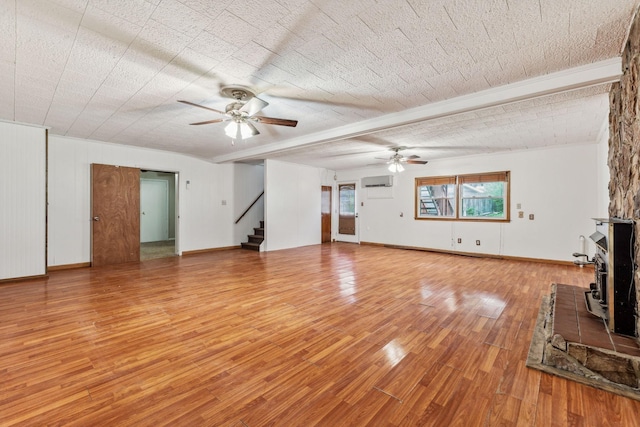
(326,214)
(347,211)
(115,214)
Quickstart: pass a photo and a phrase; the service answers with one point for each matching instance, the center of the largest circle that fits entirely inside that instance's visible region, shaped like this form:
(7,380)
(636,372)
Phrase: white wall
(248,183)
(205,222)
(292,204)
(602,169)
(22,201)
(557,185)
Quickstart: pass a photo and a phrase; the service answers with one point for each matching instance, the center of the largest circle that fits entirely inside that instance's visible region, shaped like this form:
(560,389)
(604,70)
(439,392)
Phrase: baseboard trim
(22,279)
(69,266)
(204,251)
(471,254)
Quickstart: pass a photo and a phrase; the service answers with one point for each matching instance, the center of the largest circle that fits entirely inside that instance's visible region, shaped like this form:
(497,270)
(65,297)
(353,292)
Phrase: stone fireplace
(624,143)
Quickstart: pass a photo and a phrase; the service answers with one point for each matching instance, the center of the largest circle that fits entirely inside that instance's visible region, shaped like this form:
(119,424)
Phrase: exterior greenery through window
(480,197)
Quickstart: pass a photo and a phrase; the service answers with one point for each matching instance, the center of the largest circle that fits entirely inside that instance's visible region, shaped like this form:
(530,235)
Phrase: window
(482,197)
(436,197)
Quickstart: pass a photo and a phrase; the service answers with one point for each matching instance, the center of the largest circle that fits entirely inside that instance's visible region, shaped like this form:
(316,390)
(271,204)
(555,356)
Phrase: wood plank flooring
(328,335)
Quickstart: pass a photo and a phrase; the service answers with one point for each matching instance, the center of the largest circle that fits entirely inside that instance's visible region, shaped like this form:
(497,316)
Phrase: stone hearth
(571,342)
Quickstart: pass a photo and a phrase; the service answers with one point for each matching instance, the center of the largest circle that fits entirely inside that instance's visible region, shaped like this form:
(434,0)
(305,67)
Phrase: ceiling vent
(377,181)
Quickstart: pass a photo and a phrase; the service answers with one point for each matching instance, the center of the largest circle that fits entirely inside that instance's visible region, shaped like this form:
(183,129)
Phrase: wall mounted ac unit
(377,181)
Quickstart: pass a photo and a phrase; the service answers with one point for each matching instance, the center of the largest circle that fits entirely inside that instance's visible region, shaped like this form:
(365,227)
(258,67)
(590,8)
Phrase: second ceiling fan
(241,113)
(396,161)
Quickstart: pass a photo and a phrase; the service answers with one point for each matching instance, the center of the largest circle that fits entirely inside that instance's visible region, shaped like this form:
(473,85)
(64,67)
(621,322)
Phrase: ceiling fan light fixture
(239,130)
(245,130)
(395,167)
(231,129)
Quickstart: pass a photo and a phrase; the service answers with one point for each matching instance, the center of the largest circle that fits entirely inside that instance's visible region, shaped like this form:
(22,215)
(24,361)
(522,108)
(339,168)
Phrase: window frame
(459,181)
(434,181)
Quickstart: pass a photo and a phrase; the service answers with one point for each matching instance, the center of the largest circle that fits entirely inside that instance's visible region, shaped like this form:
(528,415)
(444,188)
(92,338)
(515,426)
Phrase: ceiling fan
(241,113)
(396,160)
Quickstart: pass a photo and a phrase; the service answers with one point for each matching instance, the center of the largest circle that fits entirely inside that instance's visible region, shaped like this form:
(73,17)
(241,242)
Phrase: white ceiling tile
(93,56)
(259,13)
(50,13)
(137,12)
(341,11)
(278,39)
(8,30)
(237,69)
(161,40)
(388,16)
(233,29)
(271,75)
(211,9)
(181,18)
(308,22)
(254,54)
(41,44)
(212,46)
(75,5)
(114,28)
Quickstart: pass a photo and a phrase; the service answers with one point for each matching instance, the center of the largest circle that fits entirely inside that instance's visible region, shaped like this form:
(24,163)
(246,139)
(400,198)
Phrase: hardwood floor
(330,335)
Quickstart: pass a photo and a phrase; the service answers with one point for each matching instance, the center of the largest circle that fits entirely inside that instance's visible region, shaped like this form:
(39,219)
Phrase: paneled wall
(22,201)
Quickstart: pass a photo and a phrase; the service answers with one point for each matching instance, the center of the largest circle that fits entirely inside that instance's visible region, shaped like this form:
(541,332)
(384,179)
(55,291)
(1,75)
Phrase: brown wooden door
(326,214)
(115,214)
(347,209)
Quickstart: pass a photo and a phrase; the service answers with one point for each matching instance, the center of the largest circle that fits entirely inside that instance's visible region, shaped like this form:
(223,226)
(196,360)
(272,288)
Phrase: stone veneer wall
(624,141)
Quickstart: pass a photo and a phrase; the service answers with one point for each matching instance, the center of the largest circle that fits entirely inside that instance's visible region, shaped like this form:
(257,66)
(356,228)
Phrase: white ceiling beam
(598,73)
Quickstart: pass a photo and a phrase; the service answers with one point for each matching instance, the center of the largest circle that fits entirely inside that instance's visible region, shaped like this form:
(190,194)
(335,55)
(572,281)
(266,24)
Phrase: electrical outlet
(520,214)
(224,203)
(459,240)
(531,216)
(477,242)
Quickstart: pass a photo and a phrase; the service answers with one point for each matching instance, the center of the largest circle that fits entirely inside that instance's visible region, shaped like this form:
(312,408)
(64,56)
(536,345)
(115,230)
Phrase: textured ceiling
(112,70)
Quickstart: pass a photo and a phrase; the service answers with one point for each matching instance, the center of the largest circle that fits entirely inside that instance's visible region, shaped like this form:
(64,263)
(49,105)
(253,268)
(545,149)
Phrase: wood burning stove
(613,292)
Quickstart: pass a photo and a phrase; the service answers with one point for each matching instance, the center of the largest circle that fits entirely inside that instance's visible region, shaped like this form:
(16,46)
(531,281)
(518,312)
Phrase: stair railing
(250,206)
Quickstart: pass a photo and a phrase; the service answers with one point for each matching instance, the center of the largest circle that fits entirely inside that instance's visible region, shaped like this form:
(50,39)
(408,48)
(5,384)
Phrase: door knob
(96,218)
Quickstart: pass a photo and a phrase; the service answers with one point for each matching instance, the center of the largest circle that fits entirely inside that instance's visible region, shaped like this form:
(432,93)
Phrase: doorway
(326,214)
(116,232)
(157,214)
(347,214)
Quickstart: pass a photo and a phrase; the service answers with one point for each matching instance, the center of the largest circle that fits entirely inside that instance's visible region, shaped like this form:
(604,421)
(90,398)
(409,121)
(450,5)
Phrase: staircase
(255,239)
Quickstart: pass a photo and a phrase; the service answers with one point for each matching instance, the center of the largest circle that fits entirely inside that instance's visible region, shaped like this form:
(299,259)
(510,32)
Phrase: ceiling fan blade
(417,162)
(413,156)
(209,121)
(201,106)
(275,121)
(253,106)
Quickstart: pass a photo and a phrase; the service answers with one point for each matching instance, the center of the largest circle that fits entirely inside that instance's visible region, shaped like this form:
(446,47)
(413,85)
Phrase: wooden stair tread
(256,239)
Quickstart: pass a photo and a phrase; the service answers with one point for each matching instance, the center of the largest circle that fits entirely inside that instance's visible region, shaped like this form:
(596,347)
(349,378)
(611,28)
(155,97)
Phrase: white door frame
(355,238)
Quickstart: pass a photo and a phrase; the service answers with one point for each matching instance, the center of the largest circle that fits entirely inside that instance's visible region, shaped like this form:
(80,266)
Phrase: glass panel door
(347,215)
